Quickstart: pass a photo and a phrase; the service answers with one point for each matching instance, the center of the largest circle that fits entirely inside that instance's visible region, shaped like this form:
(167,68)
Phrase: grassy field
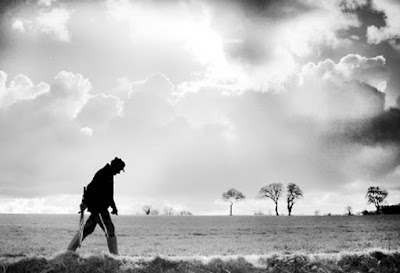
(146,236)
(37,243)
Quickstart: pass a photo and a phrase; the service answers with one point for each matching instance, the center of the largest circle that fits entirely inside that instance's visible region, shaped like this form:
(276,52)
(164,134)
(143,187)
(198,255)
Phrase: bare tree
(232,196)
(376,196)
(293,192)
(185,213)
(169,211)
(272,191)
(147,209)
(349,210)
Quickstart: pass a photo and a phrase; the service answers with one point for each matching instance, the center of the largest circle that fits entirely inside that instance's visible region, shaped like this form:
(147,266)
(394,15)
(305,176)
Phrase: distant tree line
(394,209)
(148,210)
(377,196)
(272,191)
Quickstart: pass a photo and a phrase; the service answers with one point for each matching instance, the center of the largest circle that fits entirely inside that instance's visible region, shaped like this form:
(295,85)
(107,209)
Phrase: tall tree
(293,192)
(376,196)
(272,191)
(232,196)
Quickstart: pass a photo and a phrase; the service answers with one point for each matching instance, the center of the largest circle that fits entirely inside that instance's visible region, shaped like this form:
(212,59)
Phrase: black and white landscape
(250,108)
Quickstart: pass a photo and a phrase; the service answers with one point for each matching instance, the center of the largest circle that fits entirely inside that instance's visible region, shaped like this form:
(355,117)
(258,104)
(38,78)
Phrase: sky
(198,97)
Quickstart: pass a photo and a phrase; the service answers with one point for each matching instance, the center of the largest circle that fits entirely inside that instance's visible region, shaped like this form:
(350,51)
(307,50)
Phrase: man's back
(99,193)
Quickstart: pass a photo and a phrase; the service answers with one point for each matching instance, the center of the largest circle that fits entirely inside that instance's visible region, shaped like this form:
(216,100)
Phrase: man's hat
(118,163)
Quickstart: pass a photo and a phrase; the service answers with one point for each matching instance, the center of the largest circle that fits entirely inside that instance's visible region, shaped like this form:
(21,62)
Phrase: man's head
(118,165)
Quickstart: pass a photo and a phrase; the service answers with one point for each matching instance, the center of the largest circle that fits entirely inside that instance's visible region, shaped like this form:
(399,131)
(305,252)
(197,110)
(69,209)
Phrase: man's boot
(112,245)
(74,243)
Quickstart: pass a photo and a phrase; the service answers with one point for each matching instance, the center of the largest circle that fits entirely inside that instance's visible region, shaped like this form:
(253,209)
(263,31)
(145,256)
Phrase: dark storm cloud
(272,9)
(373,144)
(380,130)
(6,7)
(370,16)
(367,14)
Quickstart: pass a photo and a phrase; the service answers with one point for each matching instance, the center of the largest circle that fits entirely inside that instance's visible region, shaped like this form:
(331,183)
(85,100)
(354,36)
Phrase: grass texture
(143,236)
(374,261)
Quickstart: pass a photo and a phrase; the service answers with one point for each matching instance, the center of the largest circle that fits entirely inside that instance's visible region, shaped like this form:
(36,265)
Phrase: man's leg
(88,229)
(73,245)
(90,225)
(110,231)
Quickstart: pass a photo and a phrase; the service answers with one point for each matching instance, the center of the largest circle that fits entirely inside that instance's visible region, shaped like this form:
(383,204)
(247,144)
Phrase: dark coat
(99,194)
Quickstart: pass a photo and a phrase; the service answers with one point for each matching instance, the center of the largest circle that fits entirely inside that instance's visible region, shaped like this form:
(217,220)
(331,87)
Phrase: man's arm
(112,202)
(114,208)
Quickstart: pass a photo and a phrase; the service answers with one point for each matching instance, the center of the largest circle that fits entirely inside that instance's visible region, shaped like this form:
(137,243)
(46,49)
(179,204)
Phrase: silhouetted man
(97,198)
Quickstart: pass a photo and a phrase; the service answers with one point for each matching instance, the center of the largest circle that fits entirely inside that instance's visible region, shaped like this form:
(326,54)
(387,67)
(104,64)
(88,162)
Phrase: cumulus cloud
(54,23)
(351,67)
(348,89)
(262,52)
(372,71)
(50,22)
(46,3)
(311,132)
(99,111)
(357,132)
(65,96)
(353,126)
(391,31)
(40,135)
(18,25)
(69,92)
(232,47)
(150,101)
(237,103)
(157,84)
(19,89)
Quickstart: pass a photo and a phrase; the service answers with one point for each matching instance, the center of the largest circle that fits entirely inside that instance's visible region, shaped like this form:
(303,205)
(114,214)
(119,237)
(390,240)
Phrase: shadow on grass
(72,262)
